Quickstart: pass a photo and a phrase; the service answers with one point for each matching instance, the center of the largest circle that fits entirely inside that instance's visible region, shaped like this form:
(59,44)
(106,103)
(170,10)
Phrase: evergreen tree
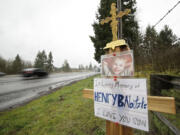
(9,66)
(150,46)
(50,62)
(103,33)
(130,25)
(17,64)
(2,64)
(44,59)
(150,41)
(38,61)
(66,66)
(166,38)
(167,51)
(41,60)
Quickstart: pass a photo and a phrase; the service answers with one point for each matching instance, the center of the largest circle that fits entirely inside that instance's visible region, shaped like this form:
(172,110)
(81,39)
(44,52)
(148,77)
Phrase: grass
(175,119)
(64,112)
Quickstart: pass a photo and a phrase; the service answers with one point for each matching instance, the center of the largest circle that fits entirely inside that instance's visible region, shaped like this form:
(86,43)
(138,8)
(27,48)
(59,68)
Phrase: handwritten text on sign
(123,101)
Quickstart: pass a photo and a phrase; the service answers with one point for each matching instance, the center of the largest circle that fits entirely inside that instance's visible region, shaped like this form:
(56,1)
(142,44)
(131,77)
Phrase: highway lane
(16,90)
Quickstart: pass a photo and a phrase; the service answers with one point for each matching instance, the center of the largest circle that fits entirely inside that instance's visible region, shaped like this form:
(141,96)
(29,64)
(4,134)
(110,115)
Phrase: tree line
(43,61)
(67,68)
(89,67)
(14,66)
(156,51)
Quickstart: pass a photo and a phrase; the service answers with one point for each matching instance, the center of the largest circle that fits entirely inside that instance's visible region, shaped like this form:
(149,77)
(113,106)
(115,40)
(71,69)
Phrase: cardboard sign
(118,64)
(123,101)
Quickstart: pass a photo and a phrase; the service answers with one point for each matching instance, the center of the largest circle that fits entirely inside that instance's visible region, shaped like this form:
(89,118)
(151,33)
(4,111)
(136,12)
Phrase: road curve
(15,90)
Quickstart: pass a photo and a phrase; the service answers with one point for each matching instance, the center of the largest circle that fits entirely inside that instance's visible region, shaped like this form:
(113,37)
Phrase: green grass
(64,112)
(175,119)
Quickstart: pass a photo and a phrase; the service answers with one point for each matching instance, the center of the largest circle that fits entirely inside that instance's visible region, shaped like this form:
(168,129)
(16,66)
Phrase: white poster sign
(123,101)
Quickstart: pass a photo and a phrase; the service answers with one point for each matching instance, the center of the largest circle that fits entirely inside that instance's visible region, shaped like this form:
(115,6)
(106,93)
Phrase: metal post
(119,20)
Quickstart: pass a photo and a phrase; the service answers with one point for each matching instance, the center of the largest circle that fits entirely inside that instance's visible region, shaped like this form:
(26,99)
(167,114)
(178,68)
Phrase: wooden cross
(113,19)
(155,103)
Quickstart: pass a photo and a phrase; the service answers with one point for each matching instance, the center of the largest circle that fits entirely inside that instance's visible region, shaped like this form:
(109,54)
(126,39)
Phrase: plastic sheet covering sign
(123,101)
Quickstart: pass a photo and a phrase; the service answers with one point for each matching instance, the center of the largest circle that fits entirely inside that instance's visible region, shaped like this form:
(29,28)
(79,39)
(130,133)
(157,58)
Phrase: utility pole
(119,8)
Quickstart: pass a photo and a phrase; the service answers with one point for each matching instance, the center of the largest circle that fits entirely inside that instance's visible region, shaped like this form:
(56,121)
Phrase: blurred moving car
(30,72)
(2,74)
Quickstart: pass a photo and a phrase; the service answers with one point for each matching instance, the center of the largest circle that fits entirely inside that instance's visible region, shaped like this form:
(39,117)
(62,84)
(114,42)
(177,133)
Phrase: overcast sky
(63,27)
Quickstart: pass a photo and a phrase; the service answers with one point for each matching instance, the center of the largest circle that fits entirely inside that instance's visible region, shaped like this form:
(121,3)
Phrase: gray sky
(63,27)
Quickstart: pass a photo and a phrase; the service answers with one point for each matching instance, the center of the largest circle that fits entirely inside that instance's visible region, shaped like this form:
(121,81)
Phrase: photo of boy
(120,65)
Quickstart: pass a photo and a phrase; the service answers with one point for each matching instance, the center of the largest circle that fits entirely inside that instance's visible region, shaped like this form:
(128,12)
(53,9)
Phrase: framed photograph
(119,64)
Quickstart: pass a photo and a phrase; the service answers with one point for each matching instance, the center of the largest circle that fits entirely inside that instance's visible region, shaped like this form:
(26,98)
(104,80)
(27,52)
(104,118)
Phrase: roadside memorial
(119,98)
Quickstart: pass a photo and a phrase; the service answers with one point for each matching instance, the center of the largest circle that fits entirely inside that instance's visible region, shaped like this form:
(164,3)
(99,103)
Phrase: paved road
(15,90)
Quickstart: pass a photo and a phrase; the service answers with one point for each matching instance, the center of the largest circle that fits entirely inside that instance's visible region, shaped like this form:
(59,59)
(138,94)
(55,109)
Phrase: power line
(166,14)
